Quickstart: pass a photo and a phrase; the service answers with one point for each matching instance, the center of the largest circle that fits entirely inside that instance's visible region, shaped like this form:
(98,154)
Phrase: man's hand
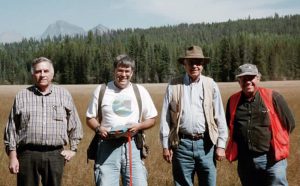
(103,132)
(134,128)
(13,162)
(68,154)
(168,154)
(220,154)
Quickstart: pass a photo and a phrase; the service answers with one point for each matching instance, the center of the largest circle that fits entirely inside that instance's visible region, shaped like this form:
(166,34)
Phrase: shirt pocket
(264,115)
(58,112)
(174,106)
(24,117)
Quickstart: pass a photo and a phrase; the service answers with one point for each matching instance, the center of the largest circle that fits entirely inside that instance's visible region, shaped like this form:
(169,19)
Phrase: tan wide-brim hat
(194,52)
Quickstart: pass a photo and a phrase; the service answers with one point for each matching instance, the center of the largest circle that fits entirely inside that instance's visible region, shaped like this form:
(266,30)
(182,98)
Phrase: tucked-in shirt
(37,119)
(193,120)
(119,107)
(252,122)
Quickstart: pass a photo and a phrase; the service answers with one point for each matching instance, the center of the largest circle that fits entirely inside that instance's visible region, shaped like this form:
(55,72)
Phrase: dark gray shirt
(252,123)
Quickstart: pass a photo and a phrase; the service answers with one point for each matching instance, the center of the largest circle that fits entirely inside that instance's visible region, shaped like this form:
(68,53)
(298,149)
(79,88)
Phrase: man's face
(123,76)
(249,84)
(43,75)
(193,67)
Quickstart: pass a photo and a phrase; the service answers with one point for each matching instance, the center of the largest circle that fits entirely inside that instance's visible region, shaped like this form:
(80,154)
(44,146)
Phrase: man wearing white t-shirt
(119,107)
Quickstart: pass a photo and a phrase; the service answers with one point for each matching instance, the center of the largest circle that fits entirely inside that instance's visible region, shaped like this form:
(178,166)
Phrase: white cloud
(206,11)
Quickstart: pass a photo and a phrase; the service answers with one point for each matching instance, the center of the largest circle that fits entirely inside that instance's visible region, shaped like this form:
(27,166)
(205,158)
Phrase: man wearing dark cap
(193,127)
(260,122)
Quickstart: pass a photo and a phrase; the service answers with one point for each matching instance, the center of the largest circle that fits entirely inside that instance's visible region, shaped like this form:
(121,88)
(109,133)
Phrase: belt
(193,137)
(40,148)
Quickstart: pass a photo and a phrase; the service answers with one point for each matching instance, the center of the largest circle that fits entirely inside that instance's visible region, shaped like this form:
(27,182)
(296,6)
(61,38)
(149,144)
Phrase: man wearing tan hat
(193,128)
(260,122)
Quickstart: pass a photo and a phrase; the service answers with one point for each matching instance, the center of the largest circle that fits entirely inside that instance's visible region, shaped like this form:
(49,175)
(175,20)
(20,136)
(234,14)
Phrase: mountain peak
(62,28)
(99,29)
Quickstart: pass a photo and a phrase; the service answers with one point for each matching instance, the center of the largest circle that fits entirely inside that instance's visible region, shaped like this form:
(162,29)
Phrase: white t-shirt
(120,106)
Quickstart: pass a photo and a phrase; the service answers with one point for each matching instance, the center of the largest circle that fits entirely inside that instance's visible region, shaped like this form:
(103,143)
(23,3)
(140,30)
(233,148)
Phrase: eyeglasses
(192,62)
(247,78)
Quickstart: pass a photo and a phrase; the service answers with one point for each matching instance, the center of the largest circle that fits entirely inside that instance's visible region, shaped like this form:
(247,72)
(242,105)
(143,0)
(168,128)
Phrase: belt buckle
(197,136)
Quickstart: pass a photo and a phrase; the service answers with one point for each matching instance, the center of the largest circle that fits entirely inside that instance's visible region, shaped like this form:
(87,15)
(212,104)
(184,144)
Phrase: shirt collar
(37,91)
(188,81)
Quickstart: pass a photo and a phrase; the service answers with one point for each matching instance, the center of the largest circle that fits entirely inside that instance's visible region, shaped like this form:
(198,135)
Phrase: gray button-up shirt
(38,119)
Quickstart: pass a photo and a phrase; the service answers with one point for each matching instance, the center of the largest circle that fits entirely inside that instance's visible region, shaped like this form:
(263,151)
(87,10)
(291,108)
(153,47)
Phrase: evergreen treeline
(272,43)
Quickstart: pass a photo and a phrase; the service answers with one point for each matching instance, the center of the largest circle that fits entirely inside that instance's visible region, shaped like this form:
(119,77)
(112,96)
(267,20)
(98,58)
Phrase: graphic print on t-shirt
(122,106)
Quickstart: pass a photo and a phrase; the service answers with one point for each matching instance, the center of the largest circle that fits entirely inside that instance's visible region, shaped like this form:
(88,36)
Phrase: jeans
(113,161)
(260,170)
(194,157)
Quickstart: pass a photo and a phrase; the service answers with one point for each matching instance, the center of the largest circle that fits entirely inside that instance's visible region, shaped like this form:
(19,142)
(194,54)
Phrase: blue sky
(31,17)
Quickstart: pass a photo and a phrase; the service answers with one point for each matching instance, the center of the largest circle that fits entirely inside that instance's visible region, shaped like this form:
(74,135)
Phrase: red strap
(130,157)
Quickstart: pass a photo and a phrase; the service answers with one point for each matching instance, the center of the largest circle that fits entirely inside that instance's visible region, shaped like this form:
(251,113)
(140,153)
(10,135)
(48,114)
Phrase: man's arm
(75,132)
(220,118)
(93,124)
(286,117)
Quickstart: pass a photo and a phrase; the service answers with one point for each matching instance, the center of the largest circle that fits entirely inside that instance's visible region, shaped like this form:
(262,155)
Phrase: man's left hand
(68,154)
(220,154)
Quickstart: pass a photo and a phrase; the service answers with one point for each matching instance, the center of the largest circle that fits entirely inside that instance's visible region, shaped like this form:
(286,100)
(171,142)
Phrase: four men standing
(193,128)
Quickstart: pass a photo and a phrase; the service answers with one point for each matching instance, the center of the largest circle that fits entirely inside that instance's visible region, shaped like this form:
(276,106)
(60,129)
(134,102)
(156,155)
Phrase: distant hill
(10,37)
(271,43)
(99,29)
(62,28)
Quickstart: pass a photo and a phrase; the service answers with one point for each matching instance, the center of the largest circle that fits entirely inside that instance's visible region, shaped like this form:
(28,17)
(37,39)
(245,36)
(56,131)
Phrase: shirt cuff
(221,144)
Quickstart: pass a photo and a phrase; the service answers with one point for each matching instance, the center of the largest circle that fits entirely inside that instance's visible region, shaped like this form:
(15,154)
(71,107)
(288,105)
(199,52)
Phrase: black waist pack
(93,148)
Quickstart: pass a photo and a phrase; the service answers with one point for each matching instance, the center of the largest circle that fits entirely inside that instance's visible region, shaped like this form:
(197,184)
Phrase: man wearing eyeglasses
(193,128)
(260,122)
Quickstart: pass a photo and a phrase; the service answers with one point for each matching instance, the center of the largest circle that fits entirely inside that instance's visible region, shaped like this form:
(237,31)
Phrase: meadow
(79,172)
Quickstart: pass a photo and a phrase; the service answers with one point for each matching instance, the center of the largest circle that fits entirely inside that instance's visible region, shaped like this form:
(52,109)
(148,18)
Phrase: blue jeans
(260,170)
(194,157)
(113,161)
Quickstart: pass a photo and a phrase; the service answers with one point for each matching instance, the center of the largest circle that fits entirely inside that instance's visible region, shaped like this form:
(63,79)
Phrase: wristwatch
(97,129)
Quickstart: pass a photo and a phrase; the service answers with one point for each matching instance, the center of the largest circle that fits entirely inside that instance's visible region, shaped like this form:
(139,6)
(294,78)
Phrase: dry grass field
(80,173)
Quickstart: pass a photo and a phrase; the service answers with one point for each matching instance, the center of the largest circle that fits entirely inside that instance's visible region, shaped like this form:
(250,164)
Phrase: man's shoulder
(26,90)
(177,80)
(60,89)
(208,79)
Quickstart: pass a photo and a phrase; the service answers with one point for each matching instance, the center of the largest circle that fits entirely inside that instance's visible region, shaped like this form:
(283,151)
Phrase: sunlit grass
(80,173)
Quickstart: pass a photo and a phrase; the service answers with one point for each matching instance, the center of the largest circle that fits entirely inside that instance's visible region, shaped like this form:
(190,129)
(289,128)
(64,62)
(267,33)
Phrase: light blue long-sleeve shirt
(192,120)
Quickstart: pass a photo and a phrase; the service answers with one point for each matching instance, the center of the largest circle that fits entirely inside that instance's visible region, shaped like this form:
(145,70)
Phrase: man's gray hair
(124,60)
(39,60)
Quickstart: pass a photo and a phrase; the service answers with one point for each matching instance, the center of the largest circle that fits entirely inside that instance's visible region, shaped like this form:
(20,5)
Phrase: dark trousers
(45,164)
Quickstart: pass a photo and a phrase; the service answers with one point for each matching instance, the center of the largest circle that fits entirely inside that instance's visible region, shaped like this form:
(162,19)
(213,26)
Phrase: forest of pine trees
(272,43)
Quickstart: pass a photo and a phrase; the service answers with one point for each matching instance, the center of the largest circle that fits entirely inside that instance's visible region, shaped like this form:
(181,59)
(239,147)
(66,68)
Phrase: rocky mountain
(56,29)
(62,28)
(10,37)
(99,29)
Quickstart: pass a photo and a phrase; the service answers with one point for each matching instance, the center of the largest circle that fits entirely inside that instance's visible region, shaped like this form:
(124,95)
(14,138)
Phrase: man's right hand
(168,154)
(13,162)
(103,132)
